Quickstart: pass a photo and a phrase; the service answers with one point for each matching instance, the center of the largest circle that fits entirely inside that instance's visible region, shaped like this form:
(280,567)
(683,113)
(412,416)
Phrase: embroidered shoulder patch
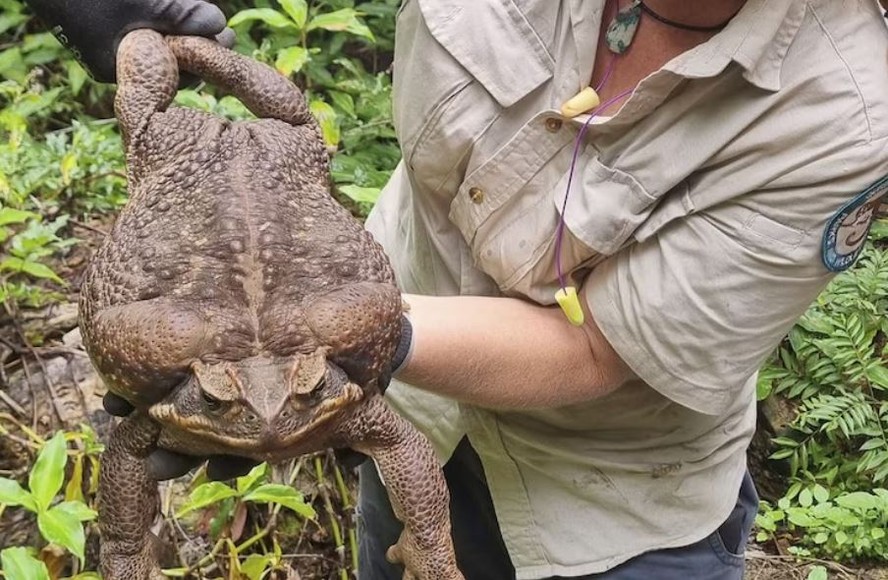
(846,231)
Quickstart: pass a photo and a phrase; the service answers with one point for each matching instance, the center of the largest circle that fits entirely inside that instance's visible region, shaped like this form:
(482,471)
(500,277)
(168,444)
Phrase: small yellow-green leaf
(297,10)
(268,16)
(76,76)
(206,494)
(74,488)
(361,194)
(291,60)
(817,573)
(344,20)
(328,120)
(48,472)
(283,495)
(255,566)
(67,166)
(245,482)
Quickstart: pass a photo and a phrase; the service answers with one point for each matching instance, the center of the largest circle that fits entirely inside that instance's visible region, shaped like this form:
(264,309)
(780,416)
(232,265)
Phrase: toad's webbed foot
(416,487)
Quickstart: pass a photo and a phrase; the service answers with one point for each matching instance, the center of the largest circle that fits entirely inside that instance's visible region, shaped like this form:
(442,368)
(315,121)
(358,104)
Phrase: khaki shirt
(701,221)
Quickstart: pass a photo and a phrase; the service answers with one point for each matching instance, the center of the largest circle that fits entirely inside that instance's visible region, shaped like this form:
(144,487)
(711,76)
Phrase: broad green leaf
(18,564)
(858,500)
(206,494)
(269,16)
(48,472)
(9,215)
(328,120)
(841,537)
(361,194)
(255,566)
(77,510)
(817,573)
(345,20)
(291,60)
(297,9)
(39,270)
(877,533)
(245,482)
(60,527)
(800,517)
(11,493)
(283,495)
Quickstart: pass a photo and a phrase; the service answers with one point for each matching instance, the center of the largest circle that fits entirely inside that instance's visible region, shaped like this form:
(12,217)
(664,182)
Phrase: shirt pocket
(509,210)
(457,64)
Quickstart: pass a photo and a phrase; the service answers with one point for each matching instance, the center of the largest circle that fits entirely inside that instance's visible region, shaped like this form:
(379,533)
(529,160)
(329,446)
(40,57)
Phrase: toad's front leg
(416,487)
(128,502)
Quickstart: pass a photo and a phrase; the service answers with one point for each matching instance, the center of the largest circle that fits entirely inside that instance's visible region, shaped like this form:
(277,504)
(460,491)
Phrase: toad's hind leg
(128,502)
(415,485)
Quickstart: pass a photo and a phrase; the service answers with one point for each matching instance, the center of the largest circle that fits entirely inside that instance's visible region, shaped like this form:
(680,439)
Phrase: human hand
(163,464)
(92,29)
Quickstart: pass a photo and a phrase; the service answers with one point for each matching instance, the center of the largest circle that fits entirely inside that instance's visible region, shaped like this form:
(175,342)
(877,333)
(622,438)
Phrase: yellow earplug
(570,303)
(585,100)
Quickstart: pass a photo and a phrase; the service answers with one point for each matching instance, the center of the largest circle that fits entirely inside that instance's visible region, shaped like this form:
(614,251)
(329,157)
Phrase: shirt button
(476,194)
(553,125)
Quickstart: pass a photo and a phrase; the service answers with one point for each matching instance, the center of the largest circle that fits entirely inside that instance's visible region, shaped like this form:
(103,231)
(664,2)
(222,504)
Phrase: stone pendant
(622,28)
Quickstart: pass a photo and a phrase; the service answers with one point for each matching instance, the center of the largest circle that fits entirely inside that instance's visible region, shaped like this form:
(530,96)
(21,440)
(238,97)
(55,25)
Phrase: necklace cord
(650,12)
(559,234)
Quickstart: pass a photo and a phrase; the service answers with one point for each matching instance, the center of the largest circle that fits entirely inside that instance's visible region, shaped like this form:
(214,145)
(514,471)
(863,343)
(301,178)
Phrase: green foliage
(851,526)
(59,523)
(832,367)
(224,502)
(45,178)
(329,49)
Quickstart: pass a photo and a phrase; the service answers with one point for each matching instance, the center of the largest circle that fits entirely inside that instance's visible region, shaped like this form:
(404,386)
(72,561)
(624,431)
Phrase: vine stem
(323,487)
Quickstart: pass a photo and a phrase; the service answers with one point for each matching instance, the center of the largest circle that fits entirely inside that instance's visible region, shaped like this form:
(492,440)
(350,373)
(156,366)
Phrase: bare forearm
(506,353)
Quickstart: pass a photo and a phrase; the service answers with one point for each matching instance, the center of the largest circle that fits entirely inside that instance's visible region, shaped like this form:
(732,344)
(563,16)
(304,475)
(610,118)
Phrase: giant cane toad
(239,307)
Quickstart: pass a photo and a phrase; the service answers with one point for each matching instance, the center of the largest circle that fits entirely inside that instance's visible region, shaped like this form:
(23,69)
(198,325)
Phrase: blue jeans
(481,553)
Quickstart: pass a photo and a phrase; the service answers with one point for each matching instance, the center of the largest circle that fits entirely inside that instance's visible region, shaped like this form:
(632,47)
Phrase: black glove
(163,464)
(92,29)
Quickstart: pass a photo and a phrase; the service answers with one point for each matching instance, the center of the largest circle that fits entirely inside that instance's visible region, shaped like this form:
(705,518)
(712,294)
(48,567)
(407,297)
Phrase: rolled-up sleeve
(695,309)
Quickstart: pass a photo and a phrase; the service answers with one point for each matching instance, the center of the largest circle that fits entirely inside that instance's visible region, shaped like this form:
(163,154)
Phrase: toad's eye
(212,404)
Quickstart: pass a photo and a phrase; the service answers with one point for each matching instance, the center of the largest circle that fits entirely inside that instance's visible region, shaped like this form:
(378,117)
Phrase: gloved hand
(92,29)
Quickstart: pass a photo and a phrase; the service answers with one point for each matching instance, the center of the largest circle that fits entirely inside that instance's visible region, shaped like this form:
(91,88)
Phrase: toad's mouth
(275,440)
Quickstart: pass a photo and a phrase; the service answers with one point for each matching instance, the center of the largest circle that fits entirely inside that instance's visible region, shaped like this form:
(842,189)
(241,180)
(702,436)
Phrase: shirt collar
(757,39)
